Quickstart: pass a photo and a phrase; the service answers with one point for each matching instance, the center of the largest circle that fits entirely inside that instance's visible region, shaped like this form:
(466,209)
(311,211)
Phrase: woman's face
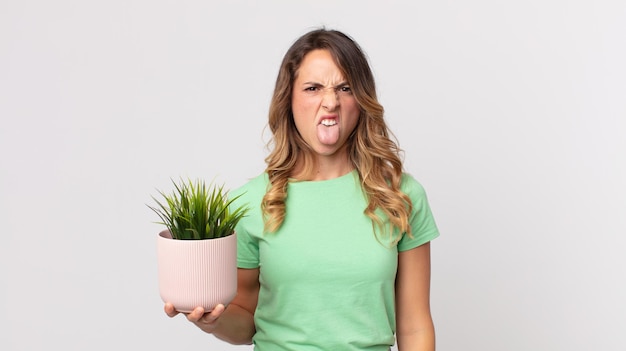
(324,110)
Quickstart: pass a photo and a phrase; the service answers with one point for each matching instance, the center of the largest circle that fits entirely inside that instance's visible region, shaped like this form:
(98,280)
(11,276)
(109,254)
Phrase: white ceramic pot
(194,273)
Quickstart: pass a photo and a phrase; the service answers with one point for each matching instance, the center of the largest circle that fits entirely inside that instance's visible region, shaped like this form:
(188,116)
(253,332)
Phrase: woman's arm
(415,329)
(235,323)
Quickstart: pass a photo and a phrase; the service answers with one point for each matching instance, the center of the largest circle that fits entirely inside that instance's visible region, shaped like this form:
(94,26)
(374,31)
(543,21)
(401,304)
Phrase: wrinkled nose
(330,100)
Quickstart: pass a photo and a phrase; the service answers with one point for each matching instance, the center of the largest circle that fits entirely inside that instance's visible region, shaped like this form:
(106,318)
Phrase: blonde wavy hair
(374,154)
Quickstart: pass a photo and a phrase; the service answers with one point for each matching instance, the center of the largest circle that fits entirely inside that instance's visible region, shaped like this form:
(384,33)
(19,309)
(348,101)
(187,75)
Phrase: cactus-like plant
(195,211)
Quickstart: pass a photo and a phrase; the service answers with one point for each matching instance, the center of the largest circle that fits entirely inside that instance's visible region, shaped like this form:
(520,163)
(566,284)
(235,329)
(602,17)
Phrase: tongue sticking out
(328,134)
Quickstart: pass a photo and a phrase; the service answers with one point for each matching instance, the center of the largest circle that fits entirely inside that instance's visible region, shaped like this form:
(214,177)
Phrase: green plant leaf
(195,211)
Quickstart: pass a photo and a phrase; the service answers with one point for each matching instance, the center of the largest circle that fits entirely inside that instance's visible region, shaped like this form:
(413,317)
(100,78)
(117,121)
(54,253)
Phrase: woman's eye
(310,89)
(345,89)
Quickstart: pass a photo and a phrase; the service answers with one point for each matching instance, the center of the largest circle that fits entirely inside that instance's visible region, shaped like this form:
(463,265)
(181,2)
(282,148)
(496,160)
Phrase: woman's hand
(234,324)
(207,321)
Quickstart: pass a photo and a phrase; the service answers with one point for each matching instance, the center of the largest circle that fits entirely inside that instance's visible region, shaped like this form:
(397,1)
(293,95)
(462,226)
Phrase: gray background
(512,115)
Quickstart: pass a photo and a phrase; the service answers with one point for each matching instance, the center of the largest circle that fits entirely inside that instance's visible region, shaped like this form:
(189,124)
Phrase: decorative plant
(195,211)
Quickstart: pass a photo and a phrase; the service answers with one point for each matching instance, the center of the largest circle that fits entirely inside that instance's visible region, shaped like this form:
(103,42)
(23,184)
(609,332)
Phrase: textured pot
(194,273)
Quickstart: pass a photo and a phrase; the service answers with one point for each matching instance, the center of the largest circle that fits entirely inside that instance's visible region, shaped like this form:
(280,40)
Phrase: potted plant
(197,253)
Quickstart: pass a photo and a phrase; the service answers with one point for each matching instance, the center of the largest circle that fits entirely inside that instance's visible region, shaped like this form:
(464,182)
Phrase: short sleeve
(423,226)
(247,248)
(247,229)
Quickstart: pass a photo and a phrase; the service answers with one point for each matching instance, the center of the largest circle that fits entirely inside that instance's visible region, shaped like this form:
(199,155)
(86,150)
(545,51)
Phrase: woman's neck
(323,169)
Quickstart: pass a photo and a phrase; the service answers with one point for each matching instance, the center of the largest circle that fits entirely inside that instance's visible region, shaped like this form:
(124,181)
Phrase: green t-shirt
(327,282)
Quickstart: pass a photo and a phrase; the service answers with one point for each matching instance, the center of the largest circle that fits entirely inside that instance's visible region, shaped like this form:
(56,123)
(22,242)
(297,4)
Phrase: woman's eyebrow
(339,85)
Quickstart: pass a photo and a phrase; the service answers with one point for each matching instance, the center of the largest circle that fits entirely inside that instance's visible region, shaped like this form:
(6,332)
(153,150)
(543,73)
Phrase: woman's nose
(330,99)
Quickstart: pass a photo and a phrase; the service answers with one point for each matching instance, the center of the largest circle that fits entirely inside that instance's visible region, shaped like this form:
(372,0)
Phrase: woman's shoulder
(411,186)
(253,187)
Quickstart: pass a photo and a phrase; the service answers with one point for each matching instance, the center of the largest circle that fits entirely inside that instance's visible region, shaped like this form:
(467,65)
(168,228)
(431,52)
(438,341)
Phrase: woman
(335,253)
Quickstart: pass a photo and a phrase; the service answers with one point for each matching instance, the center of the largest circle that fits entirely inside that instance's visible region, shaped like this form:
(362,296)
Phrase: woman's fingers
(204,320)
(169,309)
(214,314)
(196,314)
